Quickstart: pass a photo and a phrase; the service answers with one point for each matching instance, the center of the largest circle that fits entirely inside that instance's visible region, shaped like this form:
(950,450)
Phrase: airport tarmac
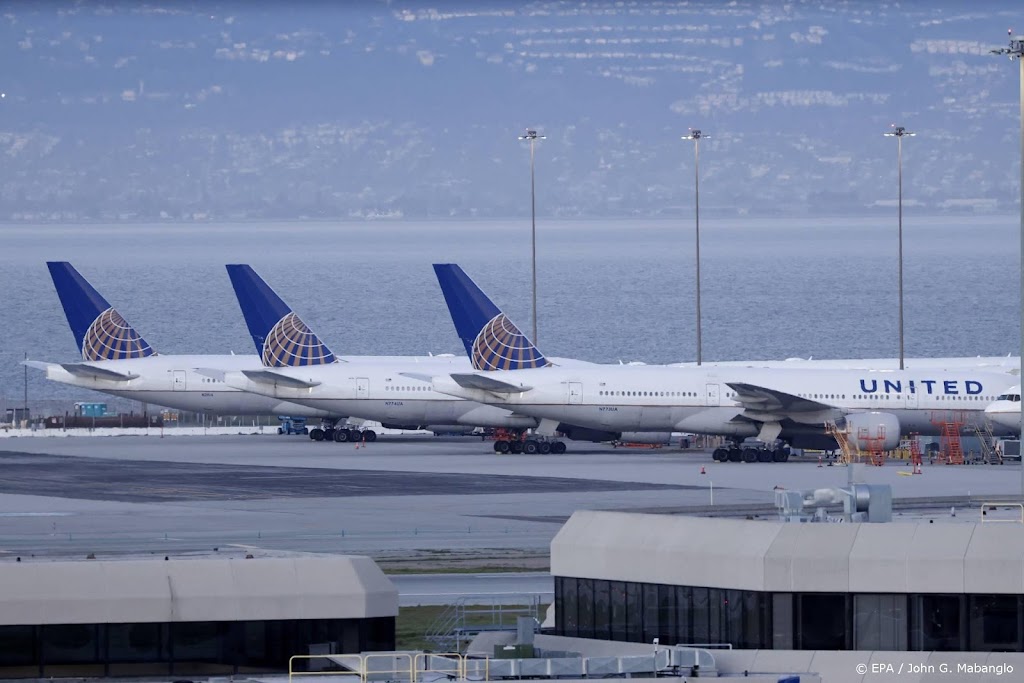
(422,497)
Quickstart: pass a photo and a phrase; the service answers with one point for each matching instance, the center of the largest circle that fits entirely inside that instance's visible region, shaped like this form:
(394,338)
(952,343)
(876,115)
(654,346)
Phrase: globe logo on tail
(110,337)
(501,346)
(290,343)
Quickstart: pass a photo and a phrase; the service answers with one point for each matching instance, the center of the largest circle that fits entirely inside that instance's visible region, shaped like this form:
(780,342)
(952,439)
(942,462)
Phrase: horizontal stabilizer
(472,381)
(83,370)
(763,399)
(270,377)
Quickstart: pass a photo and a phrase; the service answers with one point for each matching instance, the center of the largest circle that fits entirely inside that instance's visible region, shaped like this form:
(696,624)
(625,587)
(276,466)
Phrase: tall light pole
(697,136)
(532,136)
(899,132)
(1015,50)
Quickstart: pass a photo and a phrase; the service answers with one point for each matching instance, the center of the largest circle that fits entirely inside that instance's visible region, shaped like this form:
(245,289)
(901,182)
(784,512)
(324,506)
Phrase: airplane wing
(83,370)
(474,381)
(764,400)
(271,377)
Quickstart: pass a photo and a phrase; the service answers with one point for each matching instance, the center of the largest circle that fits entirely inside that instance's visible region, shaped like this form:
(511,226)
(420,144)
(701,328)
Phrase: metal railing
(985,507)
(360,669)
(471,614)
(387,665)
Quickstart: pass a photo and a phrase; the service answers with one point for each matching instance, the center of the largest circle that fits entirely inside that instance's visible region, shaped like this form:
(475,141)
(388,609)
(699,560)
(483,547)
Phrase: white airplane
(116,360)
(1005,410)
(791,403)
(373,391)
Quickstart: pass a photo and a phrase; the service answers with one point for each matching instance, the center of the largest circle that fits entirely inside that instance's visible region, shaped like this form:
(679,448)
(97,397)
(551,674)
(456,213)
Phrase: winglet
(492,341)
(281,338)
(100,331)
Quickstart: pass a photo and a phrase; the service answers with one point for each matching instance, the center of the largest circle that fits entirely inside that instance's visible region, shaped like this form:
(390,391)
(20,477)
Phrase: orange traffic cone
(702,470)
(819,461)
(917,469)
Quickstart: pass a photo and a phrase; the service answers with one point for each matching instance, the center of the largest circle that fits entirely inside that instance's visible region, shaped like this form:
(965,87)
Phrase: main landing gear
(327,431)
(508,441)
(751,452)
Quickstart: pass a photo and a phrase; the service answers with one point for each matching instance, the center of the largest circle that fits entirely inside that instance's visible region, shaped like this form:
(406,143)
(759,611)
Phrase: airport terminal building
(790,586)
(188,617)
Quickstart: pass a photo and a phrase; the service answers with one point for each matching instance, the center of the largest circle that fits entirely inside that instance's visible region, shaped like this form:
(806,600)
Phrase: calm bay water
(608,291)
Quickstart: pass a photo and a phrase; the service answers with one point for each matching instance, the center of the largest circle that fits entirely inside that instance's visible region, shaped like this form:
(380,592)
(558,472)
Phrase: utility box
(525,627)
(513,651)
(1008,448)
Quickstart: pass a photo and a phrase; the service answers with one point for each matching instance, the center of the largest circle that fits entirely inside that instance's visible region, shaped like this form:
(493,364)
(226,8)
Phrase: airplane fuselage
(381,392)
(1005,410)
(173,381)
(701,400)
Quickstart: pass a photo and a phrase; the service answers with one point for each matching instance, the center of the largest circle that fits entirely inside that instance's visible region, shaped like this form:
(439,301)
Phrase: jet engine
(874,431)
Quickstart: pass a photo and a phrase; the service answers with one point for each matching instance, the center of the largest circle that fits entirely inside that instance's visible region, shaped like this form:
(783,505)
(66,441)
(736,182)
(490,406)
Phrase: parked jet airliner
(117,360)
(373,391)
(1005,410)
(791,403)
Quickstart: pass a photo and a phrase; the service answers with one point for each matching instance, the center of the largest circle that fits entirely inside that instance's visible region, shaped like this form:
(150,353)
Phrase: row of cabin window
(856,397)
(391,388)
(868,397)
(647,393)
(211,380)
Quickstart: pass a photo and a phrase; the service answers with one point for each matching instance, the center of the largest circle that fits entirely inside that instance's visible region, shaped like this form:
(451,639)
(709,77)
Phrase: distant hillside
(383,111)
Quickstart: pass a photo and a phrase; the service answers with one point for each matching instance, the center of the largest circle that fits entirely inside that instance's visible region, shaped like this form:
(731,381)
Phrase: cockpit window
(1009,397)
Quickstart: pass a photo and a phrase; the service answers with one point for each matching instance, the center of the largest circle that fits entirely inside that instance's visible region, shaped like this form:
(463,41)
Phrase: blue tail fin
(100,331)
(492,341)
(281,338)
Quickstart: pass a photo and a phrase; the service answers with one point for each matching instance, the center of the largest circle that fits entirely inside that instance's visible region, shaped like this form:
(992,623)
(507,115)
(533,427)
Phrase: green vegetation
(413,622)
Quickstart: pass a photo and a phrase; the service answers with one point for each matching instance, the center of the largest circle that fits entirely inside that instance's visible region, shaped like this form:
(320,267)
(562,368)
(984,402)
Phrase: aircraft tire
(530,447)
(749,455)
(778,454)
(316,434)
(544,448)
(341,435)
(720,455)
(515,447)
(558,447)
(369,436)
(735,455)
(501,446)
(764,455)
